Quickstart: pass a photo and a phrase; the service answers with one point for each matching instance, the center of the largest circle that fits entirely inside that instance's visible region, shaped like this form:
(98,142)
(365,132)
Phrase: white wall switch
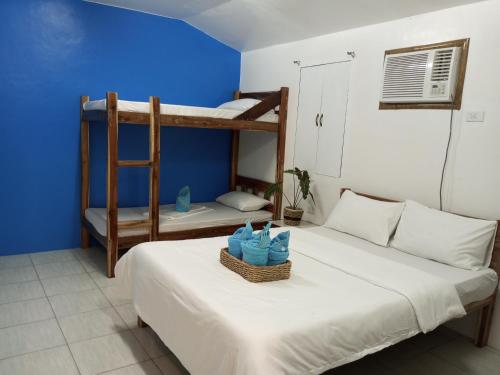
(474,116)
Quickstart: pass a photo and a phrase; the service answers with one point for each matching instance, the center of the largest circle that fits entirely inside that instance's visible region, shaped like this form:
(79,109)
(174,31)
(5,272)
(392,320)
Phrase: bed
(257,111)
(346,298)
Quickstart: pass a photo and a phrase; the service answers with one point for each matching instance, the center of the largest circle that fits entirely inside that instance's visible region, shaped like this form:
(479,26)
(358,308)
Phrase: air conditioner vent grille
(404,76)
(442,65)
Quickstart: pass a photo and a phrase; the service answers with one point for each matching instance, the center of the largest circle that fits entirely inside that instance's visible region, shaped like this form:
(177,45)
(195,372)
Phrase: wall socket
(474,116)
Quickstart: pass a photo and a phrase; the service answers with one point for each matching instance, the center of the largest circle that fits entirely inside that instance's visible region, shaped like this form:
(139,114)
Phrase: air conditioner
(424,76)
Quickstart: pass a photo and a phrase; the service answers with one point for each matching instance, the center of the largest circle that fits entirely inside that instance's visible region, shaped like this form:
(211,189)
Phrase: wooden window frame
(462,67)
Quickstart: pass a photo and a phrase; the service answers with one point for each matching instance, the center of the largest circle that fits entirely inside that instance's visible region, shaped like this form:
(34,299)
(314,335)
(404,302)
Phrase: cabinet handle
(321,120)
(317,116)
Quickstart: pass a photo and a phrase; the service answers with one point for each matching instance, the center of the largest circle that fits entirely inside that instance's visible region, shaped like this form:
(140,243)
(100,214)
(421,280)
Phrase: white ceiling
(251,24)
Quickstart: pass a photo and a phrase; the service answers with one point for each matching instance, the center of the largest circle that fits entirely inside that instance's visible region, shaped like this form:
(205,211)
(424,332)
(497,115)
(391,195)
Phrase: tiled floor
(59,314)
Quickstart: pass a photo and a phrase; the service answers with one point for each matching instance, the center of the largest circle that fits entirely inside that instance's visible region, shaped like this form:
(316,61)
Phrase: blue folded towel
(234,241)
(256,250)
(278,250)
(183,201)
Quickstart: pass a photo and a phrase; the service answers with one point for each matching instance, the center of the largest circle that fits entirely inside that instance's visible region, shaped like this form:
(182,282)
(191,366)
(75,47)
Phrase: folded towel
(278,250)
(234,241)
(183,202)
(256,250)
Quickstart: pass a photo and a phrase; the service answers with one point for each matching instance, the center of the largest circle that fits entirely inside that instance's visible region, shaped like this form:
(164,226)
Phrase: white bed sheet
(179,110)
(217,215)
(322,317)
(471,286)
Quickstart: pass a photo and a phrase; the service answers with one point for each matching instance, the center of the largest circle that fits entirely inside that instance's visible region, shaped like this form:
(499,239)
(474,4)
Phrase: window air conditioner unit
(421,77)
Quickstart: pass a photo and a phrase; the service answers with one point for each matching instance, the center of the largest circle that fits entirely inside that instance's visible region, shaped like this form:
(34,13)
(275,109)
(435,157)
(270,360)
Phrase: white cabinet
(321,117)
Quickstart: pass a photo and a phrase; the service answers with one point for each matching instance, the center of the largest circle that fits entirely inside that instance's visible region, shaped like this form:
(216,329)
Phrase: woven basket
(292,217)
(255,274)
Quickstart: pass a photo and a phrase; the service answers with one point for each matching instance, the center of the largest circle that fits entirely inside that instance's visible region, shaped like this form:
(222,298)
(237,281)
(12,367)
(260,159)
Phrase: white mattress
(471,285)
(179,110)
(217,216)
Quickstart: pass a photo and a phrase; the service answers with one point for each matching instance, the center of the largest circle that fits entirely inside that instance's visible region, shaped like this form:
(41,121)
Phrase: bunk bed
(120,229)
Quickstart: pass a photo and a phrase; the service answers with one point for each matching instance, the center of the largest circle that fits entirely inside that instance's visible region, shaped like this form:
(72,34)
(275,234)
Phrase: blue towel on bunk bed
(183,201)
(278,249)
(256,250)
(234,241)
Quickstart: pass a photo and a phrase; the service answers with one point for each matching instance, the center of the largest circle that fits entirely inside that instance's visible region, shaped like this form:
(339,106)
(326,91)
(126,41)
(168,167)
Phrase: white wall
(398,154)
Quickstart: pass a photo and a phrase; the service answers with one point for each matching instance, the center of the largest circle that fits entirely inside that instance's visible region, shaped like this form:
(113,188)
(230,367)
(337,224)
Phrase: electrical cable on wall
(445,161)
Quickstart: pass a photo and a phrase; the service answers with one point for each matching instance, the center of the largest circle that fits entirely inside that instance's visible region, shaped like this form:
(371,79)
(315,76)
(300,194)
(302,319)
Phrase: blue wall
(53,51)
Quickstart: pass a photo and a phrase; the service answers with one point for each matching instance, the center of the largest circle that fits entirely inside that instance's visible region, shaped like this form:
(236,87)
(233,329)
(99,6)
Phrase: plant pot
(292,217)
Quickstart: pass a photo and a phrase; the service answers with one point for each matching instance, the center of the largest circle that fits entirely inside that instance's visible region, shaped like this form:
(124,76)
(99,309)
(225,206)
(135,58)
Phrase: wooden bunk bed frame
(113,117)
(486,306)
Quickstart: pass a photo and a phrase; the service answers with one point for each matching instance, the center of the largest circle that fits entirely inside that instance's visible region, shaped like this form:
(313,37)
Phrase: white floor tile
(107,353)
(21,291)
(127,313)
(91,252)
(53,256)
(468,357)
(144,368)
(68,284)
(17,275)
(16,313)
(93,265)
(48,270)
(169,365)
(151,342)
(102,280)
(74,303)
(56,361)
(29,338)
(91,324)
(116,296)
(14,261)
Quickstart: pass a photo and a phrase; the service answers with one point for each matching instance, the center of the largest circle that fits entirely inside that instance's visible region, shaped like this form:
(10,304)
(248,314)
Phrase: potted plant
(301,190)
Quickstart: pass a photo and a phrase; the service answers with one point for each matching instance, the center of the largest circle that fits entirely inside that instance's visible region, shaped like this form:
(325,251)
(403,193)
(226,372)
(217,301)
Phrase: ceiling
(252,24)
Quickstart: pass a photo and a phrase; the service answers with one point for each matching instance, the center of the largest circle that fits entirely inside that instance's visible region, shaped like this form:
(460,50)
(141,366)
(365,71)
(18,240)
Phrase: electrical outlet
(474,116)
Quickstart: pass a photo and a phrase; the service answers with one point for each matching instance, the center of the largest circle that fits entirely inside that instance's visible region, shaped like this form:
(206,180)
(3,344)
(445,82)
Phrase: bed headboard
(255,187)
(495,258)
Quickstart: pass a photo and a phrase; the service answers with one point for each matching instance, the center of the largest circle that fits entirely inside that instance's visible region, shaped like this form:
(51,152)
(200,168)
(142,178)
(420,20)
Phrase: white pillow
(447,238)
(366,218)
(242,201)
(240,104)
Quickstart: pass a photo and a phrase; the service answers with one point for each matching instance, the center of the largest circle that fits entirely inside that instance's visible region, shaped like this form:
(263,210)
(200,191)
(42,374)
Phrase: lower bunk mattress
(204,215)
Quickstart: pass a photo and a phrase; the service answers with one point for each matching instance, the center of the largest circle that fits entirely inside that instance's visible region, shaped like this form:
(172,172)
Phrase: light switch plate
(474,116)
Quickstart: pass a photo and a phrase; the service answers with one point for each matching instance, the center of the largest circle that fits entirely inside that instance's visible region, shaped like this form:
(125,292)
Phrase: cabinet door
(306,136)
(332,125)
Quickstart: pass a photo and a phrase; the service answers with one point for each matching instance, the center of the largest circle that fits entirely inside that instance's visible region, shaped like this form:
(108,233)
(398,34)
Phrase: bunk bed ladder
(152,223)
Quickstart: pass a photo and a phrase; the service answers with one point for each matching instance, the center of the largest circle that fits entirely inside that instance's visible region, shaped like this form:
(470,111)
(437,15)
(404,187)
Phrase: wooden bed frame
(485,306)
(112,117)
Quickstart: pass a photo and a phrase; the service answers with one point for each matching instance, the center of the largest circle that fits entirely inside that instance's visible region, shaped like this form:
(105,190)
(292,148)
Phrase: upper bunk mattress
(215,215)
(177,110)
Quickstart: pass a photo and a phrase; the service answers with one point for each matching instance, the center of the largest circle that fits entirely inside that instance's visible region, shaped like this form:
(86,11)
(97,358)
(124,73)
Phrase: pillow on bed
(240,104)
(366,218)
(242,201)
(447,238)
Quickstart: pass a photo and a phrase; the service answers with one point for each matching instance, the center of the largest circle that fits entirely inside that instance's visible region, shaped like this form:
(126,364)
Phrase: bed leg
(141,323)
(112,251)
(84,238)
(484,325)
